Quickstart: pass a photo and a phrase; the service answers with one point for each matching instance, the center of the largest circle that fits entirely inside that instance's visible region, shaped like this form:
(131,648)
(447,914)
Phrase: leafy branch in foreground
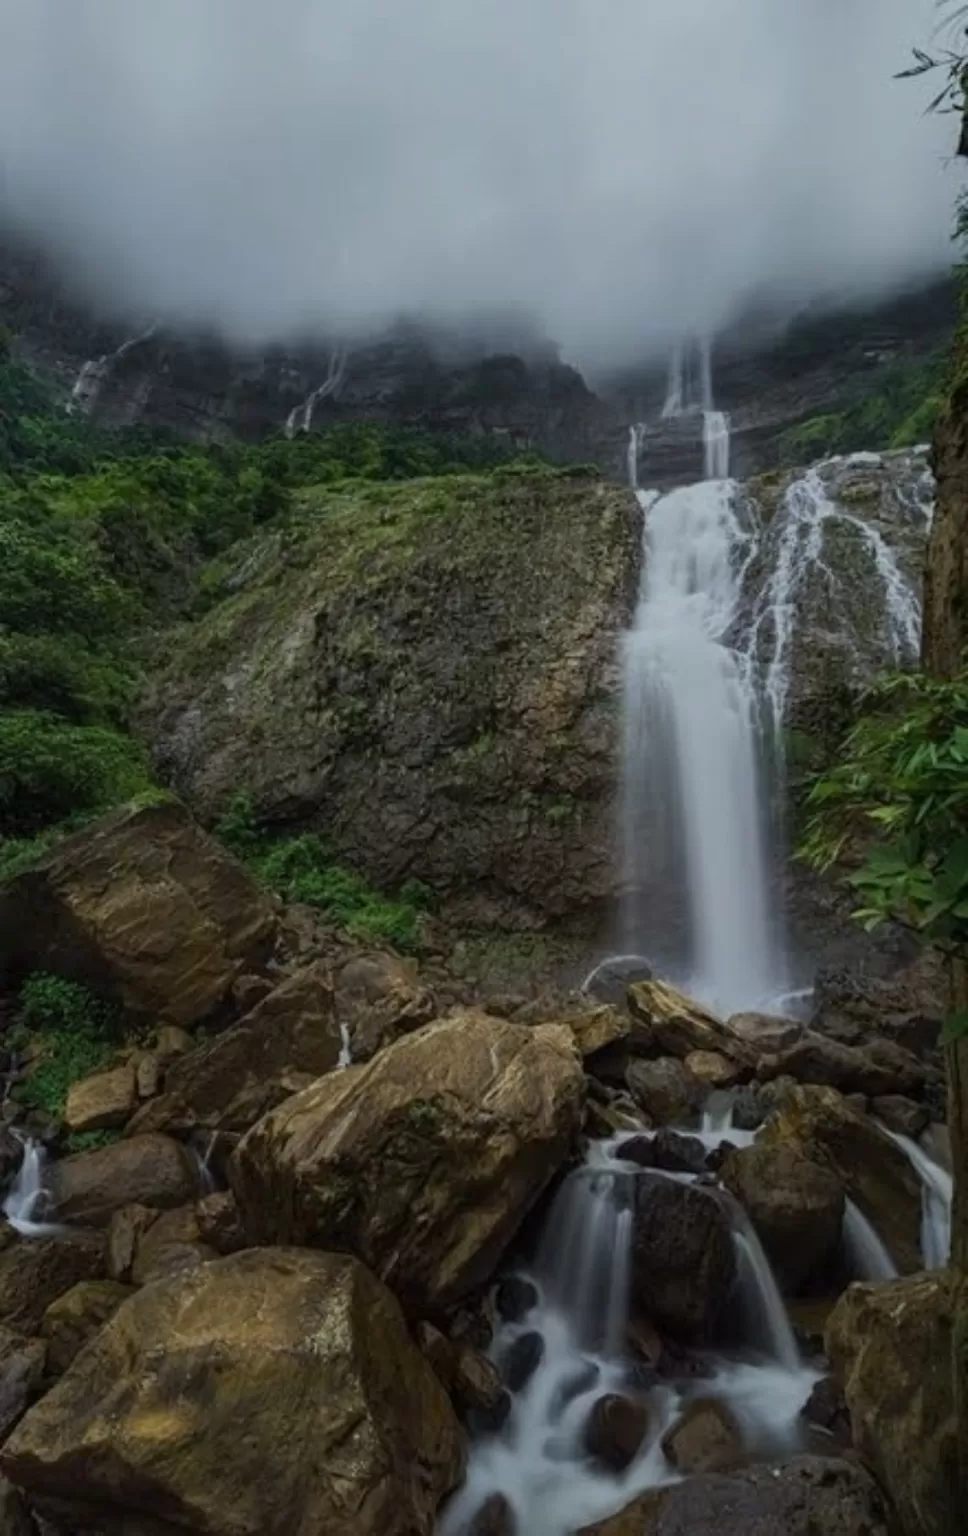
(896,809)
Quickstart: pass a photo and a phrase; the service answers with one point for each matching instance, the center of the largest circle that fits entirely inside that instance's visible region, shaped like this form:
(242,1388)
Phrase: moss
(425,1116)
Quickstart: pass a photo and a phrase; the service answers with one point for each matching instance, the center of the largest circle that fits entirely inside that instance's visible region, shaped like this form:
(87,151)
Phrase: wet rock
(713,1069)
(616,1430)
(424,1161)
(156,1171)
(15,1518)
(289,1038)
(890,1345)
(522,1359)
(810,1496)
(826,1410)
(706,1439)
(881,1068)
(901,1114)
(796,1205)
(11,1156)
(678,1024)
(438,1351)
(678,1154)
(612,979)
(34,1272)
(666,1090)
(749,1109)
(638,1149)
(477,1389)
(93,910)
(220,1224)
(494,1518)
(22,1363)
(598,1029)
(936,1141)
(379,997)
(346,1425)
(683,1261)
(582,1380)
(907,1009)
(102,1102)
(872,1169)
(76,1317)
(172,1041)
(515,1298)
(763,1032)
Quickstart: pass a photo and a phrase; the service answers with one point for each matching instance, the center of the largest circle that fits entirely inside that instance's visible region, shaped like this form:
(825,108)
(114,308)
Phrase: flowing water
(97,370)
(300,418)
(867,1257)
(937,1192)
(27,1197)
(345,1058)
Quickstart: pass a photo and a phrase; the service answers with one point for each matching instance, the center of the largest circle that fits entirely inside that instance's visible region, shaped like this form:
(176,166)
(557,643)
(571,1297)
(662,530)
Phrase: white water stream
(24,1205)
(300,418)
(97,370)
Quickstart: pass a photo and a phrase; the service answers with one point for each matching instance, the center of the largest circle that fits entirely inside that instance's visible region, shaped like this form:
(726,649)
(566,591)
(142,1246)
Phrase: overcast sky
(625,168)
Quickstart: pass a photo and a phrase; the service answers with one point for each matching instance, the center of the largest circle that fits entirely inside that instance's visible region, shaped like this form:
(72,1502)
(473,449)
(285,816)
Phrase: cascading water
(300,418)
(24,1205)
(96,371)
(937,1194)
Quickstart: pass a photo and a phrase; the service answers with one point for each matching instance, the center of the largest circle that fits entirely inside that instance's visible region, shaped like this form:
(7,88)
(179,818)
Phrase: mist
(623,169)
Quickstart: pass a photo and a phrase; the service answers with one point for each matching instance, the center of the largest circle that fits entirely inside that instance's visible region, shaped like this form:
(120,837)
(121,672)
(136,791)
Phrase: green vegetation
(300,869)
(68,1031)
(896,806)
(901,411)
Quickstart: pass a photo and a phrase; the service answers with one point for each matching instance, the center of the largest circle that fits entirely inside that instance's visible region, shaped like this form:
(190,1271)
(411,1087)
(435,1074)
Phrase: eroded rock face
(274,1393)
(424,1161)
(795,1204)
(872,1169)
(144,907)
(430,681)
(155,1171)
(891,1347)
(683,1263)
(231,1081)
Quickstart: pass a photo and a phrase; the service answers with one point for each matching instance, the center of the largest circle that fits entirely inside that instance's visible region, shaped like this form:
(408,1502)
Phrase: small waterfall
(759,1295)
(345,1058)
(27,1197)
(300,418)
(97,370)
(866,1254)
(716,445)
(583,1262)
(936,1197)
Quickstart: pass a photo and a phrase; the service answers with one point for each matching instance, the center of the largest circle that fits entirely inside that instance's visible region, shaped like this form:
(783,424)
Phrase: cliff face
(427,674)
(946,570)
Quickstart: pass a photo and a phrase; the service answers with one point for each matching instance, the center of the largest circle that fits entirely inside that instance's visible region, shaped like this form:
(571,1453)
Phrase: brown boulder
(102,1102)
(683,1259)
(872,1169)
(795,1204)
(125,1230)
(422,1162)
(901,1115)
(155,1171)
(763,1033)
(34,1272)
(380,997)
(712,1070)
(220,1224)
(811,1496)
(880,1068)
(597,1029)
(706,1439)
(171,1244)
(678,1024)
(229,1083)
(76,1317)
(666,1090)
(891,1346)
(144,907)
(270,1393)
(616,1430)
(21,1373)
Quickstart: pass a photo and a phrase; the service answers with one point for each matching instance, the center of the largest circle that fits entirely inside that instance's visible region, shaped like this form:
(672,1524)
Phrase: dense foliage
(900,412)
(300,869)
(69,1033)
(898,802)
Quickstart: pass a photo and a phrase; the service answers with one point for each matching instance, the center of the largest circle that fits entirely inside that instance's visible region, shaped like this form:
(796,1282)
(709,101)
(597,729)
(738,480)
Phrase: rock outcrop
(423,1162)
(427,673)
(149,1170)
(270,1394)
(891,1345)
(796,1205)
(145,908)
(683,1262)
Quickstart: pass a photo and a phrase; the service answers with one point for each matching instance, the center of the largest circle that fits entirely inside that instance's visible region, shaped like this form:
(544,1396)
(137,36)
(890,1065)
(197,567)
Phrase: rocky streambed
(356,1262)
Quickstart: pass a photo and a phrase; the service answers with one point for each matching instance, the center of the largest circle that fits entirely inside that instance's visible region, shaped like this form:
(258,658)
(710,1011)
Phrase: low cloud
(624,169)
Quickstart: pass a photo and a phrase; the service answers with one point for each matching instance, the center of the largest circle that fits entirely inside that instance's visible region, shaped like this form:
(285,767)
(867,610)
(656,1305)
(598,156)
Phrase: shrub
(51,769)
(77,1033)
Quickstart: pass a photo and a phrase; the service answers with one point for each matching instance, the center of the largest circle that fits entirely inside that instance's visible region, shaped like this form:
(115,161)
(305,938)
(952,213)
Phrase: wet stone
(515,1298)
(494,1518)
(616,1431)
(522,1360)
(584,1379)
(678,1154)
(638,1149)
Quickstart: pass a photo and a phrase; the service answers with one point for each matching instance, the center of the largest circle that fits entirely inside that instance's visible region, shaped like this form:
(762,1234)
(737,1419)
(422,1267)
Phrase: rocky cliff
(427,674)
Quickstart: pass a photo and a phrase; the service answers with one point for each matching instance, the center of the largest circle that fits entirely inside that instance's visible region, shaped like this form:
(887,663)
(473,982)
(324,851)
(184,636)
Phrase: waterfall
(345,1058)
(96,371)
(25,1201)
(936,1197)
(300,418)
(866,1254)
(759,1295)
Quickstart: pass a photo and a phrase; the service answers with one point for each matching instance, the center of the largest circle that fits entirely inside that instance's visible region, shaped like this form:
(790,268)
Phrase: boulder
(516,1297)
(826,1412)
(144,907)
(171,1243)
(424,1161)
(521,1359)
(666,1090)
(272,1392)
(125,1230)
(21,1373)
(810,1496)
(763,1033)
(220,1223)
(891,1346)
(677,1154)
(155,1171)
(881,1068)
(901,1115)
(15,1518)
(477,1391)
(34,1272)
(712,1069)
(872,1169)
(494,1518)
(230,1082)
(616,1430)
(148,1071)
(706,1439)
(908,1009)
(597,1029)
(683,1259)
(380,997)
(796,1205)
(610,981)
(678,1024)
(76,1317)
(102,1102)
